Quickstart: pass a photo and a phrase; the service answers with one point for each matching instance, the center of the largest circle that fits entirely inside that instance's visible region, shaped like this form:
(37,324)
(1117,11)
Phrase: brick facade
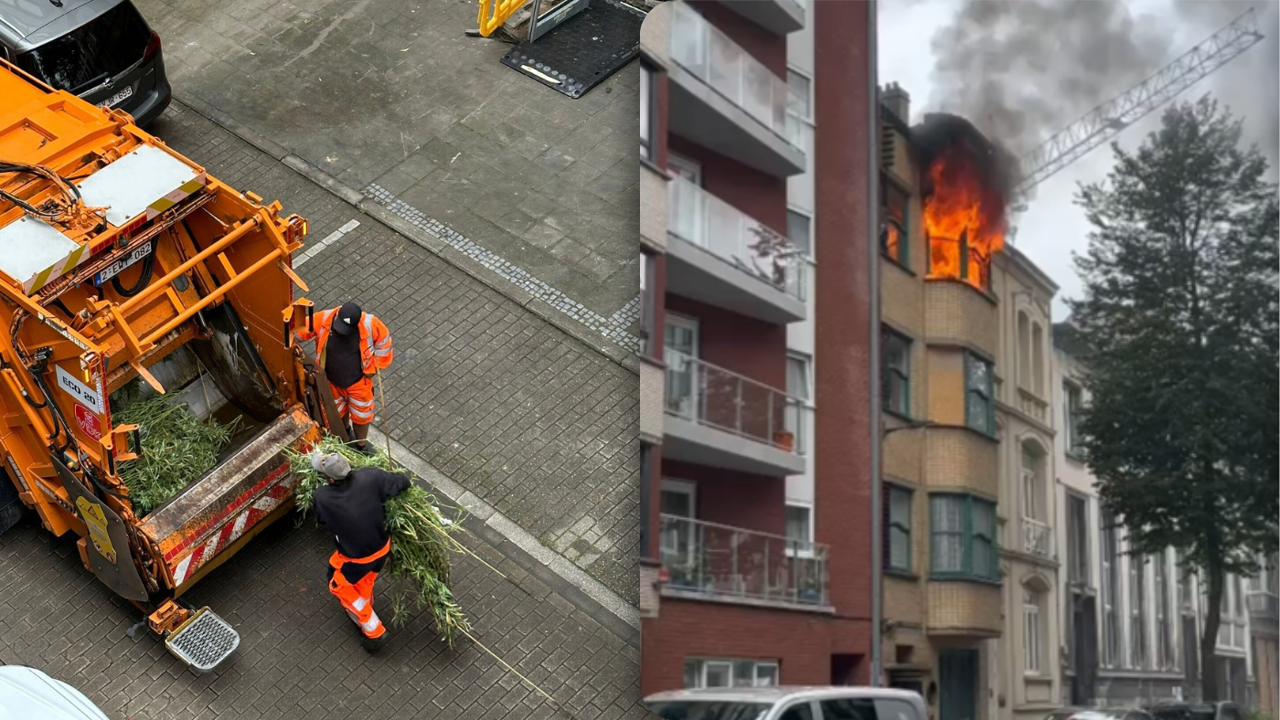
(829,646)
(801,642)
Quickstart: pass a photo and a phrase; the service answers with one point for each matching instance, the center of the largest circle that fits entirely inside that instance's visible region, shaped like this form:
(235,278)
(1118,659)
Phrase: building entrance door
(958,684)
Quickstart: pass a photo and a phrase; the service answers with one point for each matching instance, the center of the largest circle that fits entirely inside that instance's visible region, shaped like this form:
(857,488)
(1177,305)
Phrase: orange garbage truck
(121,259)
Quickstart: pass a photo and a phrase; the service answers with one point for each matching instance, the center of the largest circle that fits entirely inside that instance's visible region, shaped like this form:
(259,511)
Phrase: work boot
(364,449)
(373,645)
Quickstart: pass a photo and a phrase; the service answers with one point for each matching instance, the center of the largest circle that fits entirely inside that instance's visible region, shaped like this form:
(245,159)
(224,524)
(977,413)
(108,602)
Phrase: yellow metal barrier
(495,12)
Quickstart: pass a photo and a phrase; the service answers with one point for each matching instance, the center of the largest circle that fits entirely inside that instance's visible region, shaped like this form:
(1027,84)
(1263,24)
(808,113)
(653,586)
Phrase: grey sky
(1046,72)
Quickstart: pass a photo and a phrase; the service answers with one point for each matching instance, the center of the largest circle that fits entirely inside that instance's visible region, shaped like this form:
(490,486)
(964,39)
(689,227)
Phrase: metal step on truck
(121,259)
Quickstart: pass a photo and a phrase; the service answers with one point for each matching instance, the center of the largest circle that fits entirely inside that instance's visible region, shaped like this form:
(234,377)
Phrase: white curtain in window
(948,534)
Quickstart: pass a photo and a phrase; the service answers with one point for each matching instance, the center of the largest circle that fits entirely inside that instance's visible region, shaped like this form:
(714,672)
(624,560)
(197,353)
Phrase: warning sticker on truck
(78,390)
(94,519)
(88,421)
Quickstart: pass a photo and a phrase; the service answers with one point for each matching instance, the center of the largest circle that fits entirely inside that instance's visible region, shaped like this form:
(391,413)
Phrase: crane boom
(1109,119)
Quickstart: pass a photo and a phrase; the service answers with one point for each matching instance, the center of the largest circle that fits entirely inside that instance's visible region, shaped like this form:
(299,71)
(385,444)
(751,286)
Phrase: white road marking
(329,239)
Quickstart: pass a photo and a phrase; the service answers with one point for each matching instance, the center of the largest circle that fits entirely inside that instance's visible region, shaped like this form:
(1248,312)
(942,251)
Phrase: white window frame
(678,487)
(808,253)
(1139,642)
(808,100)
(1031,489)
(807,362)
(1071,426)
(1032,633)
(647,114)
(760,665)
(1110,593)
(684,167)
(691,324)
(791,552)
(794,418)
(706,667)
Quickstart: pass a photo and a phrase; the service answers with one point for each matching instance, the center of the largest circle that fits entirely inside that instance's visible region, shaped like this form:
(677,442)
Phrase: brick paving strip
(526,419)
(299,656)
(535,295)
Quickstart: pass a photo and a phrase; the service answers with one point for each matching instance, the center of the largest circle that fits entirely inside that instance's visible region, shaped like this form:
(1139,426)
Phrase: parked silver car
(788,703)
(101,50)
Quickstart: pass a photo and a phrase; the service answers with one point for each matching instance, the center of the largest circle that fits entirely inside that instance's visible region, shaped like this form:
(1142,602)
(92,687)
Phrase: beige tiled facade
(943,320)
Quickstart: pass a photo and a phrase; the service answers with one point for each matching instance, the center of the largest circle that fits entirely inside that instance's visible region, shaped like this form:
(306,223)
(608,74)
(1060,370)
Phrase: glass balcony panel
(726,67)
(724,400)
(727,562)
(758,98)
(702,219)
(718,61)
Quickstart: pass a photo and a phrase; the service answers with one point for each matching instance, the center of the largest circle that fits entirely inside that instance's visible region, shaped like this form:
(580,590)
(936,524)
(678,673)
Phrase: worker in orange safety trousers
(352,346)
(351,506)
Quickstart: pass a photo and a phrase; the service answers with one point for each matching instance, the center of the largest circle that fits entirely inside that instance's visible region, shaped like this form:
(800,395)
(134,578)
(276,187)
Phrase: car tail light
(153,46)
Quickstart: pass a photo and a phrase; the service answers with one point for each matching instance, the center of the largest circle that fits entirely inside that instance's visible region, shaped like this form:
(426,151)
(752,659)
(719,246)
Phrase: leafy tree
(1180,317)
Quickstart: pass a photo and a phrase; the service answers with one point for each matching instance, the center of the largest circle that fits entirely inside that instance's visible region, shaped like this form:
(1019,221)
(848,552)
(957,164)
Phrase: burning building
(964,187)
(943,194)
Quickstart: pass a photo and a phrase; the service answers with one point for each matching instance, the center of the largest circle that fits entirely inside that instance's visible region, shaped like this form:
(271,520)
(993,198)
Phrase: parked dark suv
(101,50)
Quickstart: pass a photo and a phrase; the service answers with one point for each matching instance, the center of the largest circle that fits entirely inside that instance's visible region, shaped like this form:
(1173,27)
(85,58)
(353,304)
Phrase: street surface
(299,655)
(389,97)
(392,100)
(525,417)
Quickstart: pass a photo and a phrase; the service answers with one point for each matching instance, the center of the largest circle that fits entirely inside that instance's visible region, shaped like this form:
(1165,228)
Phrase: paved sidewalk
(390,98)
(299,655)
(521,415)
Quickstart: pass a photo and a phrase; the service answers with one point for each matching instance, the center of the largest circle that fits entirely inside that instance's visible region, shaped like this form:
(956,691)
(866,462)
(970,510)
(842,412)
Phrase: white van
(788,703)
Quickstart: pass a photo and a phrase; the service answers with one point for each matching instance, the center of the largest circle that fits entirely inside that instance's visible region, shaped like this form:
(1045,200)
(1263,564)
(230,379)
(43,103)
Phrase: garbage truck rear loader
(123,262)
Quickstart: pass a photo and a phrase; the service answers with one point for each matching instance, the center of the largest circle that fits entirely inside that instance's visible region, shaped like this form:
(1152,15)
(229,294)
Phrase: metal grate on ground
(205,641)
(584,51)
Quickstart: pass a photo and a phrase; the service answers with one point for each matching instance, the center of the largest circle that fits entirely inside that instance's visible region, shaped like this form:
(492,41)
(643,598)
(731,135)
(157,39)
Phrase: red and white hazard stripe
(233,529)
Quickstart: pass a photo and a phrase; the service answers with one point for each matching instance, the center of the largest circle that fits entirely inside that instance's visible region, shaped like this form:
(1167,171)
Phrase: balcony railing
(712,396)
(1264,604)
(714,225)
(1037,538)
(1030,404)
(732,563)
(744,81)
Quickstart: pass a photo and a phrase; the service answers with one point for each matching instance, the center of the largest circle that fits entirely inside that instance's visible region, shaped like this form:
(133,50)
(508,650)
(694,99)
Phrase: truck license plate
(122,264)
(119,97)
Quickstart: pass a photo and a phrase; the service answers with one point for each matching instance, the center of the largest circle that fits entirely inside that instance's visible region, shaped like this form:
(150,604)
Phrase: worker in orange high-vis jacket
(351,346)
(352,507)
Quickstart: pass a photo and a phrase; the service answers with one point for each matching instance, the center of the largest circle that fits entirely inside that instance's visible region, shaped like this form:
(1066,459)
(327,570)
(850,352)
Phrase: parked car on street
(1196,711)
(101,50)
(788,703)
(1119,713)
(28,693)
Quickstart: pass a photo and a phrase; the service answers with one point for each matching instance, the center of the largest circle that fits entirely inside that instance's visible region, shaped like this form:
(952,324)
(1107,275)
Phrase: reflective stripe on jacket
(375,339)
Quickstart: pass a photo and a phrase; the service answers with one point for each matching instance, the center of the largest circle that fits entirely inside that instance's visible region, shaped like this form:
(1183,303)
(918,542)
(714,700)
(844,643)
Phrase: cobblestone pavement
(517,412)
(299,655)
(390,98)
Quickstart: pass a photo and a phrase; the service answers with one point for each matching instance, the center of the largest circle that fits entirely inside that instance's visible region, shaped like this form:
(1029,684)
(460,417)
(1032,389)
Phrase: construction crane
(1106,121)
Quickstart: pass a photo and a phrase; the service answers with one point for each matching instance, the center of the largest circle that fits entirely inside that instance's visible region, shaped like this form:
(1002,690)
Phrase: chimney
(897,101)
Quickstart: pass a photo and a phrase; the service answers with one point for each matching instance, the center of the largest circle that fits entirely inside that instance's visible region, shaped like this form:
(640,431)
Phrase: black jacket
(353,511)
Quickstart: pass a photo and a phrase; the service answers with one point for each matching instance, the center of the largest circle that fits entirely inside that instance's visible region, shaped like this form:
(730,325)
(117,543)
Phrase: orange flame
(963,220)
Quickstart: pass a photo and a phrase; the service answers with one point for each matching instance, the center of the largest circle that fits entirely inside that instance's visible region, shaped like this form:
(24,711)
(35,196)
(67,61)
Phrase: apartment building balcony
(1037,538)
(725,100)
(781,17)
(719,418)
(707,561)
(726,258)
(1264,606)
